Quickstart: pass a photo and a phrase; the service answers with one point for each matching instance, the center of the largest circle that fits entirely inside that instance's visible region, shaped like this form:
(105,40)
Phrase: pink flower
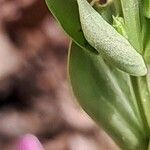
(29,142)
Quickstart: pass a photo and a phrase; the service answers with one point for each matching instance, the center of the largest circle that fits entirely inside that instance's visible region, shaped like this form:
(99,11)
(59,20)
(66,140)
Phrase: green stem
(146,8)
(146,39)
(131,12)
(117,5)
(149,146)
(145,96)
(139,97)
(134,101)
(132,20)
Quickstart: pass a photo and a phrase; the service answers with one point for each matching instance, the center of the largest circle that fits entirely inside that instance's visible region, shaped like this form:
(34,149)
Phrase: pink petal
(29,142)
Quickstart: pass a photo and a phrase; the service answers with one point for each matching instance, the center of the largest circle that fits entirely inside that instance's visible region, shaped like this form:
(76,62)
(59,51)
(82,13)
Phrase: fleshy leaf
(98,92)
(108,42)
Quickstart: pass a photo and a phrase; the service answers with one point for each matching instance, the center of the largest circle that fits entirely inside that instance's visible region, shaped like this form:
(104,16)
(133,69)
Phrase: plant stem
(132,20)
(149,145)
(137,89)
(145,98)
(146,8)
(118,9)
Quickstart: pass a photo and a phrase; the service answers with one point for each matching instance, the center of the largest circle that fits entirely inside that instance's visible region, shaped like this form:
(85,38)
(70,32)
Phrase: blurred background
(35,95)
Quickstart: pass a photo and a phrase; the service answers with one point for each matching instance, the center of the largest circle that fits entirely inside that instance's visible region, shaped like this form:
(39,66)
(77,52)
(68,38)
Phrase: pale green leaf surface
(92,79)
(99,94)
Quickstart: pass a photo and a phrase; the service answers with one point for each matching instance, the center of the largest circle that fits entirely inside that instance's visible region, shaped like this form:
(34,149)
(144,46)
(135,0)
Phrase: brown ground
(34,93)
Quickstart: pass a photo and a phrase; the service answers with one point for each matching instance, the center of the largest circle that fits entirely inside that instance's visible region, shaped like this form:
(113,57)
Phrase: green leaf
(104,92)
(66,12)
(108,42)
(97,89)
